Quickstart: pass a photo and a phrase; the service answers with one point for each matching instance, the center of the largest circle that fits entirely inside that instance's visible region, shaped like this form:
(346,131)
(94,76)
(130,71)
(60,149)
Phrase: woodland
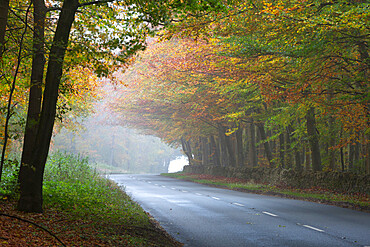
(264,83)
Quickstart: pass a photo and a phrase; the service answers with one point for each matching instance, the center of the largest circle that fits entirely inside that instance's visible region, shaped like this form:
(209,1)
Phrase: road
(201,216)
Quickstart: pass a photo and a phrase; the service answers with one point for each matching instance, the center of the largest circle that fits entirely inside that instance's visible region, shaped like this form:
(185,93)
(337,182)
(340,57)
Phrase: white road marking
(163,186)
(184,191)
(149,182)
(216,198)
(198,194)
(313,228)
(173,188)
(274,215)
(238,204)
(156,184)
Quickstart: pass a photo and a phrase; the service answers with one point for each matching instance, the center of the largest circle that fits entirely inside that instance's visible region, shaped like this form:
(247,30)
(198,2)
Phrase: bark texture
(4,8)
(31,181)
(313,139)
(35,94)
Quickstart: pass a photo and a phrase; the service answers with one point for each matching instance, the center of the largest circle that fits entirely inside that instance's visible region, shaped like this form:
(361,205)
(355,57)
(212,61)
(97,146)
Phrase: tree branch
(33,223)
(11,92)
(95,2)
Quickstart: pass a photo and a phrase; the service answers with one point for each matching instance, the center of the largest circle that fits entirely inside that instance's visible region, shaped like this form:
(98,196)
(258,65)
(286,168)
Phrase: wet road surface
(200,216)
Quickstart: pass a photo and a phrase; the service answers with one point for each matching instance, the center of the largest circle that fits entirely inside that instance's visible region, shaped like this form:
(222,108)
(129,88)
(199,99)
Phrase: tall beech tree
(35,93)
(137,19)
(32,173)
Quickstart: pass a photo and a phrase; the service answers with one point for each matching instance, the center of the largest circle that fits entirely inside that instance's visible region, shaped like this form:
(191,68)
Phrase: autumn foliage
(268,83)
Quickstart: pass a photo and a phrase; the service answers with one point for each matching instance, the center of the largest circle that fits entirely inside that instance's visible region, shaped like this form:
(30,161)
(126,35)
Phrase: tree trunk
(215,152)
(35,94)
(303,155)
(246,144)
(367,154)
(282,150)
(308,159)
(197,151)
(332,141)
(342,159)
(288,149)
(31,182)
(252,145)
(266,144)
(239,147)
(230,150)
(313,139)
(205,151)
(351,155)
(223,149)
(4,8)
(187,150)
(11,92)
(297,155)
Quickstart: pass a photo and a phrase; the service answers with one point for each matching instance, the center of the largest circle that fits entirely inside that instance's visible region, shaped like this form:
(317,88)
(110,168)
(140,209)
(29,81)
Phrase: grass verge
(81,208)
(353,201)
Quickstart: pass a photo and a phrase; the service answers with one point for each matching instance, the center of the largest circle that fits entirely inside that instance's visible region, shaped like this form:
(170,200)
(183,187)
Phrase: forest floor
(57,227)
(81,208)
(353,201)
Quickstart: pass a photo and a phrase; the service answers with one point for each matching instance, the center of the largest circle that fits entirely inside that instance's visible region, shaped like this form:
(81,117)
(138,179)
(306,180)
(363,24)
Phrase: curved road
(201,216)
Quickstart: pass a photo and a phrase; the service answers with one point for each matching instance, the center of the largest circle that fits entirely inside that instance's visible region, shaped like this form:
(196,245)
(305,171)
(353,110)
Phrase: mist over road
(201,216)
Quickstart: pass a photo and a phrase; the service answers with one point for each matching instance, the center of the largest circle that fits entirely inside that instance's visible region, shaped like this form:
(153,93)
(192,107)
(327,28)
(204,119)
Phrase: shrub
(71,183)
(9,179)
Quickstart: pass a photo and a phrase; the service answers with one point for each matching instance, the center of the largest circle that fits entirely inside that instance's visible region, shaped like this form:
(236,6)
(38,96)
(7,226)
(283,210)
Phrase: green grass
(356,200)
(71,185)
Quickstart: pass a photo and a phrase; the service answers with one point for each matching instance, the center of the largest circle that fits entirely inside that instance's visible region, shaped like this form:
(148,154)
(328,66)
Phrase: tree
(32,175)
(35,93)
(138,19)
(4,6)
(271,61)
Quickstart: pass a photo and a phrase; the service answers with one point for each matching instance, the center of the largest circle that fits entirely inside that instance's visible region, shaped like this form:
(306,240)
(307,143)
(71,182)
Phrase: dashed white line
(198,194)
(313,228)
(156,184)
(149,182)
(173,188)
(273,215)
(163,186)
(184,191)
(216,198)
(238,204)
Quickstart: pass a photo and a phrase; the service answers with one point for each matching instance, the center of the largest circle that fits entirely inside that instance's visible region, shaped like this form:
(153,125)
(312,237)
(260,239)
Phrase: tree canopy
(297,71)
(234,83)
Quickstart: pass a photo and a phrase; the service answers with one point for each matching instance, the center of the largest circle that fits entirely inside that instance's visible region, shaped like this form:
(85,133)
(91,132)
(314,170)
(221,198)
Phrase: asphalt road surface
(201,216)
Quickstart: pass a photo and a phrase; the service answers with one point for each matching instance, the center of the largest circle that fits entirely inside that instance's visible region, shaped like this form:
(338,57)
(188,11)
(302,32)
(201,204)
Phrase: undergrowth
(89,201)
(70,184)
(9,179)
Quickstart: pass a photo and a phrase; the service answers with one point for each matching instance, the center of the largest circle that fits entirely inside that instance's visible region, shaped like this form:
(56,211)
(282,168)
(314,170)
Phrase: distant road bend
(202,216)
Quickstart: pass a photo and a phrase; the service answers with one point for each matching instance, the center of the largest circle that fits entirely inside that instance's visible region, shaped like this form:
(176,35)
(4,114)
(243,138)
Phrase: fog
(118,149)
